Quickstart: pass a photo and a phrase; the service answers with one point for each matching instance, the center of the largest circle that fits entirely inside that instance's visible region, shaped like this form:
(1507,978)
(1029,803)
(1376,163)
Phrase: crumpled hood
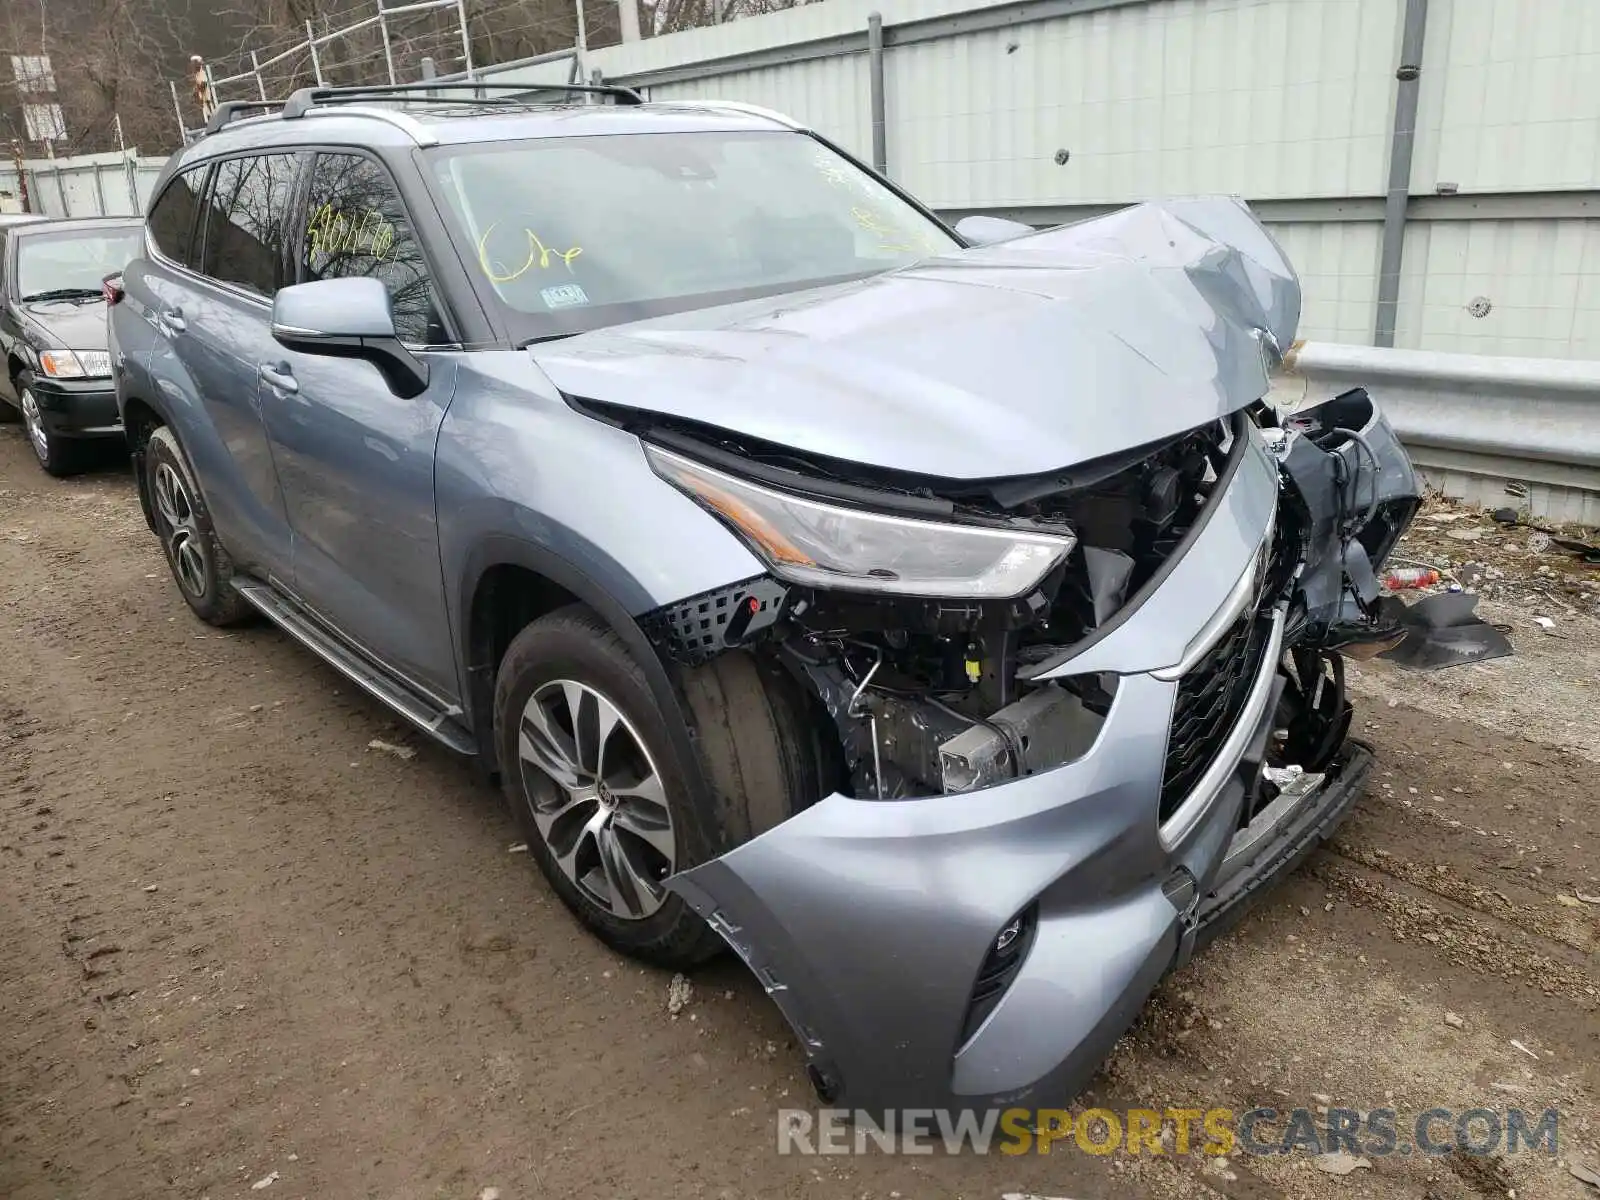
(69,326)
(1012,359)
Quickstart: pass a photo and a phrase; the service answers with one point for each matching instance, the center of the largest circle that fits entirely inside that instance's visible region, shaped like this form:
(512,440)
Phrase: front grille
(1210,698)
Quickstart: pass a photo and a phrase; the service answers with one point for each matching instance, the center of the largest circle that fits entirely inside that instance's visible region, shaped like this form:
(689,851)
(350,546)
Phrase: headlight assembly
(824,545)
(75,364)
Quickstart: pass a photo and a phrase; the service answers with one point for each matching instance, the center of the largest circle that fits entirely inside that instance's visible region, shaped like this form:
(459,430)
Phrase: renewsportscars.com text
(1377,1132)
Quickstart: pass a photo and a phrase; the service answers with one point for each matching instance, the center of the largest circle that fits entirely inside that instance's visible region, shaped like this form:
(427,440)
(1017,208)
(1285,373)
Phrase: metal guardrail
(1491,430)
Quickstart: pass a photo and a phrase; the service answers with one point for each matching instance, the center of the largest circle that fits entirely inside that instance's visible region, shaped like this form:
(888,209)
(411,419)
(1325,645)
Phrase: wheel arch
(507,583)
(139,418)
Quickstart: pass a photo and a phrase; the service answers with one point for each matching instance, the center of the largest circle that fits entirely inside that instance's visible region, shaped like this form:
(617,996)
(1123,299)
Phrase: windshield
(69,263)
(572,233)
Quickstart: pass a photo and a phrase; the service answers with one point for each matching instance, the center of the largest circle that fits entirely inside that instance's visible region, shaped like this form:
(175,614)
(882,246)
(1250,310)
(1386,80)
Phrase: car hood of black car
(67,324)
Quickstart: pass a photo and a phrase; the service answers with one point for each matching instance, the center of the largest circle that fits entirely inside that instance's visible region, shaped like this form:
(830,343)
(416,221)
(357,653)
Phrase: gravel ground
(242,946)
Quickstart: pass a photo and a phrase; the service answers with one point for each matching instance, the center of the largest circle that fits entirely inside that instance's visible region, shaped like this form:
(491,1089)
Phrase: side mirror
(986,231)
(348,318)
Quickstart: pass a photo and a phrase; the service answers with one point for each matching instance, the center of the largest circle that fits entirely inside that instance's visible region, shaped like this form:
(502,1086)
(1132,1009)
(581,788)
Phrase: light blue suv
(942,618)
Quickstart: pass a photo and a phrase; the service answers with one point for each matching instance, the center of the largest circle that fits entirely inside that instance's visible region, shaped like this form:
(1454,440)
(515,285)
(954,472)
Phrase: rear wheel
(199,565)
(589,767)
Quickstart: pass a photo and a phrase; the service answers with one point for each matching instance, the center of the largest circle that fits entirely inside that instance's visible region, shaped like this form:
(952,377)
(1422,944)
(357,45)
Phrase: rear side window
(172,219)
(247,221)
(356,225)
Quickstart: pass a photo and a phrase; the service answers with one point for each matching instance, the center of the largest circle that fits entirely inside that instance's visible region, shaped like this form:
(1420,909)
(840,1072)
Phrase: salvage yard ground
(241,945)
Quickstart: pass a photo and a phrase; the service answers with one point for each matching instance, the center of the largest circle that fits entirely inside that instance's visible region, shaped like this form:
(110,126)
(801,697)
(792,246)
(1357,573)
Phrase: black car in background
(57,375)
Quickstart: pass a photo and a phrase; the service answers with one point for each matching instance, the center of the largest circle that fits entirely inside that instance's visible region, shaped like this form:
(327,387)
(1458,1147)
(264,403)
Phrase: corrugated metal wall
(1529,288)
(1286,102)
(1149,99)
(86,185)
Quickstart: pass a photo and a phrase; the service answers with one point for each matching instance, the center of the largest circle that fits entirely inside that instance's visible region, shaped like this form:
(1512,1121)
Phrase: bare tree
(108,62)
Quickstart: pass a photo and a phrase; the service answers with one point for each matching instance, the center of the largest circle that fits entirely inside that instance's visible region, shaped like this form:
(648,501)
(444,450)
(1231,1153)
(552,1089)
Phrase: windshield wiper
(70,293)
(549,337)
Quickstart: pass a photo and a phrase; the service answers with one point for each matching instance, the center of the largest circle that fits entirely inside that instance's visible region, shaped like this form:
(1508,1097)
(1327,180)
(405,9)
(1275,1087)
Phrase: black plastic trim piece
(693,630)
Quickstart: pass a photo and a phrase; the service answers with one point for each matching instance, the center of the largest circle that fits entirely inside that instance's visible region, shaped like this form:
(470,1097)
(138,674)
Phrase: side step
(425,714)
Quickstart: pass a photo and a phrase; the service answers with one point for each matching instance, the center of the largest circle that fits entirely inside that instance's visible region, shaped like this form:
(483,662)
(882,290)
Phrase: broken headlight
(817,544)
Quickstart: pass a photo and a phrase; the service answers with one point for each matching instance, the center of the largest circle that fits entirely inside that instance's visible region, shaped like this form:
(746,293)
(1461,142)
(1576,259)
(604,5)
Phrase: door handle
(280,377)
(172,318)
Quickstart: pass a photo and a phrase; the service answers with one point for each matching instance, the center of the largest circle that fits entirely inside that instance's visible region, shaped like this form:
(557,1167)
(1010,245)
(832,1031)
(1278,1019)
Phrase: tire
(752,762)
(200,566)
(57,455)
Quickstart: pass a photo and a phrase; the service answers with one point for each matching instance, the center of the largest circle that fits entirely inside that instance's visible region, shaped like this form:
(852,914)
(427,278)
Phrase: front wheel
(609,813)
(200,566)
(58,456)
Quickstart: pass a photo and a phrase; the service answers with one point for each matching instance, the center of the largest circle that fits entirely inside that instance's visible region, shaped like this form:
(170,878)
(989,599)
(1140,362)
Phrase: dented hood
(1009,359)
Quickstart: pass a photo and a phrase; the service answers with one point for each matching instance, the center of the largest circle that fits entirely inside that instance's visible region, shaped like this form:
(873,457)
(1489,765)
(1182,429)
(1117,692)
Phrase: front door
(356,460)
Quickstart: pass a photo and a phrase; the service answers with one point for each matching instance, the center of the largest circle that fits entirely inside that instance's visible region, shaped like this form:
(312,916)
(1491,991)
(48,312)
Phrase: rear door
(217,319)
(355,459)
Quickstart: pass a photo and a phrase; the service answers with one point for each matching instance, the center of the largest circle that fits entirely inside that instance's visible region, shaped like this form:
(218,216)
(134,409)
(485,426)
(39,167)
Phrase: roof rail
(232,110)
(752,110)
(304,100)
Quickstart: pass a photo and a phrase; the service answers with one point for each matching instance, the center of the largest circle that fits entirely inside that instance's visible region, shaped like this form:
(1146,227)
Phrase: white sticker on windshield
(563,296)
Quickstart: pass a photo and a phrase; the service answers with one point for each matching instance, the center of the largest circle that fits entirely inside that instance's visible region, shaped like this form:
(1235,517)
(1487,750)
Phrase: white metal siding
(1540,278)
(1510,96)
(1337,262)
(831,92)
(1267,100)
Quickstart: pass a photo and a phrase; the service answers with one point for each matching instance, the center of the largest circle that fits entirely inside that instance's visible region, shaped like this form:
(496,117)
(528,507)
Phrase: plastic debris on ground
(1442,630)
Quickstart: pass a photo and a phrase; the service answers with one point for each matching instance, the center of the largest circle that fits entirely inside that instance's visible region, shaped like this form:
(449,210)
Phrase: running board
(425,714)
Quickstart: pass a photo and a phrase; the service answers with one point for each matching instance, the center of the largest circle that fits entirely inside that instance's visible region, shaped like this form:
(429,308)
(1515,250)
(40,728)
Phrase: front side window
(573,233)
(69,266)
(172,219)
(356,225)
(247,221)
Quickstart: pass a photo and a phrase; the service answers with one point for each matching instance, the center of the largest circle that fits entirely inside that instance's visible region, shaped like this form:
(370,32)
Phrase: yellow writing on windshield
(539,255)
(890,239)
(832,169)
(364,233)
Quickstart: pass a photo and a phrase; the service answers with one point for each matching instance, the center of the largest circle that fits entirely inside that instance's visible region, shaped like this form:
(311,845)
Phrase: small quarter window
(172,218)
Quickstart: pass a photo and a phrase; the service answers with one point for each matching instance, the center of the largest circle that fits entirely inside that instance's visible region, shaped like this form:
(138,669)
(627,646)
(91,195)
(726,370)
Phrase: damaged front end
(1073,719)
(1047,793)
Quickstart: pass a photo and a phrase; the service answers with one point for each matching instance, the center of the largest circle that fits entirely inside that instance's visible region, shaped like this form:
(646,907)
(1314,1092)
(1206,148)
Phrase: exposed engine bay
(928,696)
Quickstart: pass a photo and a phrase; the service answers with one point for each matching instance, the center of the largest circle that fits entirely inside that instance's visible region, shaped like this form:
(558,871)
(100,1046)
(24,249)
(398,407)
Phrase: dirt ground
(239,945)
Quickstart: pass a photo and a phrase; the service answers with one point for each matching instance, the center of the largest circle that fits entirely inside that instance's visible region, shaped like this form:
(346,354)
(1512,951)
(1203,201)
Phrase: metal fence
(399,43)
(86,185)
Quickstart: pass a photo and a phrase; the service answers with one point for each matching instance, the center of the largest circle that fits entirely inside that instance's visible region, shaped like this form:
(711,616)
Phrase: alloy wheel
(596,798)
(182,533)
(37,434)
